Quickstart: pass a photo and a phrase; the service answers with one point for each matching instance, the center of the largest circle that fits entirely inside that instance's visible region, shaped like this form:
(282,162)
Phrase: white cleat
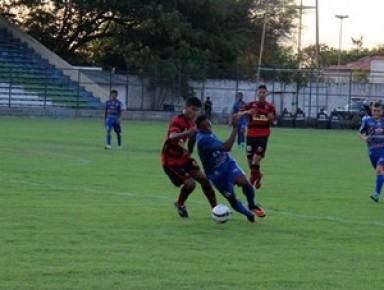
(107,147)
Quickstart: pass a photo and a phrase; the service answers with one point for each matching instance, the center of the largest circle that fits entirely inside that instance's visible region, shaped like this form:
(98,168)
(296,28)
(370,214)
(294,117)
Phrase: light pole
(341,17)
(300,7)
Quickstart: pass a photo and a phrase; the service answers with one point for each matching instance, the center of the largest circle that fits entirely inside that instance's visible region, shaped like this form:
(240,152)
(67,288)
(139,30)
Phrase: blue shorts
(376,157)
(224,179)
(113,123)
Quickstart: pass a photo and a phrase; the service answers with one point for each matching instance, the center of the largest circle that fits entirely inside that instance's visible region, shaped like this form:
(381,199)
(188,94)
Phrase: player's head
(192,107)
(377,110)
(261,92)
(203,124)
(239,96)
(114,94)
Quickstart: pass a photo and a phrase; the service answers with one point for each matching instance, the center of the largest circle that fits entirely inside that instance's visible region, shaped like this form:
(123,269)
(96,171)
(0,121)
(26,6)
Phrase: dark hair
(238,94)
(200,119)
(114,92)
(263,87)
(193,101)
(377,104)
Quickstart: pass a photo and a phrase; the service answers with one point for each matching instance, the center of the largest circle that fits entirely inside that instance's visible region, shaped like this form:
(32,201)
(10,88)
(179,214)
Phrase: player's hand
(368,139)
(235,120)
(192,131)
(271,117)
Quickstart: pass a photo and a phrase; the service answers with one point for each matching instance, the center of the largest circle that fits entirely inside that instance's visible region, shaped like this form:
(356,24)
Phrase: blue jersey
(214,160)
(113,108)
(374,130)
(238,107)
(218,165)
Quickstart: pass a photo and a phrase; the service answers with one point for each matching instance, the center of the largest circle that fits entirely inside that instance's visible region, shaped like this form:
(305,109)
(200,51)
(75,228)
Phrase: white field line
(163,197)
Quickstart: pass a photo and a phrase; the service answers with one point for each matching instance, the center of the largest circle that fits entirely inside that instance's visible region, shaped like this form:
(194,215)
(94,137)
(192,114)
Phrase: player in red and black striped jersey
(261,115)
(176,158)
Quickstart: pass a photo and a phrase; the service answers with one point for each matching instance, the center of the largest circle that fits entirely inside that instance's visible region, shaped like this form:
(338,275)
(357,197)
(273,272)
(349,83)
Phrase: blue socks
(249,193)
(379,183)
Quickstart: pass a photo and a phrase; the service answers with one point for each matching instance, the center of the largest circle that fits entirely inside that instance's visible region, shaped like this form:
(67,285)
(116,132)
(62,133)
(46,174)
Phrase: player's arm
(362,133)
(191,142)
(106,111)
(227,145)
(178,135)
(120,112)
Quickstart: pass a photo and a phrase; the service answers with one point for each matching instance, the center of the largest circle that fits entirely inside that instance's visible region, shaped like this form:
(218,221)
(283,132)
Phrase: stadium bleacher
(26,79)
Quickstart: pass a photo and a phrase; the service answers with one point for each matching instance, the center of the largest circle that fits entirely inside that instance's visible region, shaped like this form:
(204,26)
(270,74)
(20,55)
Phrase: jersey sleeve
(235,108)
(210,143)
(176,126)
(363,127)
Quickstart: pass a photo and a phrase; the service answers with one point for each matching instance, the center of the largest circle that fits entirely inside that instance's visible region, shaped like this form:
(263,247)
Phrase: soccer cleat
(181,210)
(107,147)
(251,219)
(375,197)
(258,181)
(259,211)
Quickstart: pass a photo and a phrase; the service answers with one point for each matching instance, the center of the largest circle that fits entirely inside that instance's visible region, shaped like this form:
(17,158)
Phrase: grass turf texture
(75,216)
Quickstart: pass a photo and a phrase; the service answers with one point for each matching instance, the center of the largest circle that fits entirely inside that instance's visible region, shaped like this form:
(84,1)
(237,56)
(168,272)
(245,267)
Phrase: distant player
(112,119)
(239,106)
(372,132)
(223,170)
(261,115)
(176,158)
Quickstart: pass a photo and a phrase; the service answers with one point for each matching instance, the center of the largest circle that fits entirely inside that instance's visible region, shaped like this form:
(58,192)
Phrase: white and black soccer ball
(221,213)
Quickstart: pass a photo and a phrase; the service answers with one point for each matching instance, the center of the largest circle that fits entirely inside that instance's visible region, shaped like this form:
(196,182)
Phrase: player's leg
(224,184)
(179,177)
(117,129)
(379,179)
(194,170)
(241,180)
(239,136)
(108,128)
(256,148)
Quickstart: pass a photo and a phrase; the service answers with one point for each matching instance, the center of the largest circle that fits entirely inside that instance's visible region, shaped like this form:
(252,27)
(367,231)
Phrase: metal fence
(164,86)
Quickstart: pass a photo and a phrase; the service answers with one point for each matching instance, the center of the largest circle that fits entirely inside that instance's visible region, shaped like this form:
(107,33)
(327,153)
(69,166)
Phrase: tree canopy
(118,33)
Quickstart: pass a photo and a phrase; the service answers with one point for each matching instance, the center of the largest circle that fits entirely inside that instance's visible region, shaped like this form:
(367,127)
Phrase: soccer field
(75,216)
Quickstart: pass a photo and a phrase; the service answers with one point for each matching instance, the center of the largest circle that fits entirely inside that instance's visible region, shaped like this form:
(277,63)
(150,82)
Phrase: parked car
(356,108)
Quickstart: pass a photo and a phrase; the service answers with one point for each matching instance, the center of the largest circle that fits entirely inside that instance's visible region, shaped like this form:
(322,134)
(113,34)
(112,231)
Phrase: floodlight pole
(341,17)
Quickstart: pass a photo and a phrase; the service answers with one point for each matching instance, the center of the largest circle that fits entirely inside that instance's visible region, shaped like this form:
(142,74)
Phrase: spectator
(208,108)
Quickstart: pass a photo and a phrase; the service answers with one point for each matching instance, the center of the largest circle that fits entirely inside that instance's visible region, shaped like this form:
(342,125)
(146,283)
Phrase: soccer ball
(221,213)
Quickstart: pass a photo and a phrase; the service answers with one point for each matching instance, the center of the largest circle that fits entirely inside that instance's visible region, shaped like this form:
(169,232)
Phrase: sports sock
(379,183)
(249,193)
(238,206)
(183,195)
(255,173)
(119,139)
(109,138)
(210,194)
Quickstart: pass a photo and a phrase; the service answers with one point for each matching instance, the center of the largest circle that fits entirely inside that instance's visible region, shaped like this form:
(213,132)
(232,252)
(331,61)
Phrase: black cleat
(181,210)
(259,211)
(251,219)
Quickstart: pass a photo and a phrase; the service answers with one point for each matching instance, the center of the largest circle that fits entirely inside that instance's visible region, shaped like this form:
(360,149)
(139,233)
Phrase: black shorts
(178,173)
(256,145)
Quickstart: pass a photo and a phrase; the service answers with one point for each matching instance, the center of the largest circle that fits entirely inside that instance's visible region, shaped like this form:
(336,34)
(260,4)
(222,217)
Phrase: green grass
(74,216)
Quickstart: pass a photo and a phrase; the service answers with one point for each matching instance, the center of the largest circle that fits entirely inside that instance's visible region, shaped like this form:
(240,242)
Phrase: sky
(366,18)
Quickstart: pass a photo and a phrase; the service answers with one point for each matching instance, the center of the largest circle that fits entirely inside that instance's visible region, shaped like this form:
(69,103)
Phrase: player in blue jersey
(240,106)
(372,132)
(223,170)
(112,118)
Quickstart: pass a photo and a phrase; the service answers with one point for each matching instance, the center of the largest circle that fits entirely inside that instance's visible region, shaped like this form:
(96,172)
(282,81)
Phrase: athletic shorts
(256,145)
(178,173)
(224,180)
(112,123)
(376,157)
